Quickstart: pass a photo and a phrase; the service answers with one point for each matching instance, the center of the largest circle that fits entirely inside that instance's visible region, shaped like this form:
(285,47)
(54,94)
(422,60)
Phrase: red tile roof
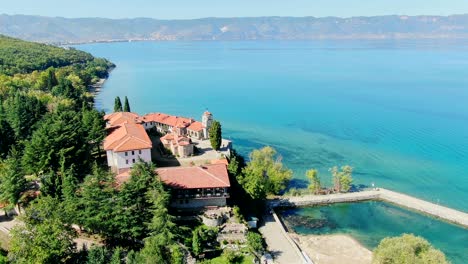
(119,118)
(220,161)
(207,176)
(170,120)
(127,136)
(176,139)
(195,126)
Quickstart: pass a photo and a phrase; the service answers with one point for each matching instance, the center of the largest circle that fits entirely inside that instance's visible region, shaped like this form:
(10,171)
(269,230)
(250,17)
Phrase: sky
(188,9)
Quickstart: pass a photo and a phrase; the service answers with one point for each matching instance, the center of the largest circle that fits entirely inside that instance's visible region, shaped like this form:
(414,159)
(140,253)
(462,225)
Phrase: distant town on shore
(59,30)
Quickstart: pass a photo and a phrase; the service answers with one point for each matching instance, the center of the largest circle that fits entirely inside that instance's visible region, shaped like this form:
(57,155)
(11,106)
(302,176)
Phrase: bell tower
(207,119)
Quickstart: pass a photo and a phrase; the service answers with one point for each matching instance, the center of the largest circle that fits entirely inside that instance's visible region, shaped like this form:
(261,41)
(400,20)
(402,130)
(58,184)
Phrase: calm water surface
(381,220)
(395,111)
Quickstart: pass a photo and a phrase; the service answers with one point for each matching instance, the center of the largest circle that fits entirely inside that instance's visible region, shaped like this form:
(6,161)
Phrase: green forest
(53,172)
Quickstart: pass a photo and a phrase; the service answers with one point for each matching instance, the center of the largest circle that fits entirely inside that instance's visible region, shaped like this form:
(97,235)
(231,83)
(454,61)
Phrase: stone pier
(435,210)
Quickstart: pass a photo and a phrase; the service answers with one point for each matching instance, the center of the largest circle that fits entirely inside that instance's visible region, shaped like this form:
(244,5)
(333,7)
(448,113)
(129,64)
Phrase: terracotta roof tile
(119,118)
(195,126)
(208,176)
(127,136)
(170,120)
(220,161)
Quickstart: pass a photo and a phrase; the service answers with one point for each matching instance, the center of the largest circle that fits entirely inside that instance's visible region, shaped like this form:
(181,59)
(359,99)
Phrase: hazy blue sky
(230,8)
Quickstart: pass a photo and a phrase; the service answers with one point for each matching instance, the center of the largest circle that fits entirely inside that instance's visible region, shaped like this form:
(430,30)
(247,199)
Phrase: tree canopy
(407,249)
(17,56)
(265,174)
(342,179)
(43,238)
(314,181)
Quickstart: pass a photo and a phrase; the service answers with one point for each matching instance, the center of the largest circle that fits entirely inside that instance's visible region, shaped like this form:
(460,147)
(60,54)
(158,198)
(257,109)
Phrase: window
(133,152)
(126,161)
(133,160)
(139,151)
(126,153)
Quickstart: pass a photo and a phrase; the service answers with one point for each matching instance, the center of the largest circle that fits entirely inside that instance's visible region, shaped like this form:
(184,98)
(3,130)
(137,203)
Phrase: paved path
(279,246)
(436,210)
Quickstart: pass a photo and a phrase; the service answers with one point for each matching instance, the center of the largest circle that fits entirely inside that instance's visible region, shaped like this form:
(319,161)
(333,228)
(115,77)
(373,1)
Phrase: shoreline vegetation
(96,87)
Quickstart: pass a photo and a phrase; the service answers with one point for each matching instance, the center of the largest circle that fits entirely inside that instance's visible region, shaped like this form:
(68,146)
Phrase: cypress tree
(51,79)
(126,107)
(215,135)
(117,105)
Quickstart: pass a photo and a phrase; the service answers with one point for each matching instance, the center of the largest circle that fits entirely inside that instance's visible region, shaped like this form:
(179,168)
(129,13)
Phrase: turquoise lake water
(397,111)
(386,220)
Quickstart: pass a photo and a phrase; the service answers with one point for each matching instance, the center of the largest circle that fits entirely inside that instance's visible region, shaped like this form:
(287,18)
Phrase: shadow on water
(298,183)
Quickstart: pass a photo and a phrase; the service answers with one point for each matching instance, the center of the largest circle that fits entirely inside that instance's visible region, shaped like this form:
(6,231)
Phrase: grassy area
(222,260)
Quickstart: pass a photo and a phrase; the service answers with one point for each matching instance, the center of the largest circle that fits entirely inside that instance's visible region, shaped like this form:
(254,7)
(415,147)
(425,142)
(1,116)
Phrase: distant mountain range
(82,30)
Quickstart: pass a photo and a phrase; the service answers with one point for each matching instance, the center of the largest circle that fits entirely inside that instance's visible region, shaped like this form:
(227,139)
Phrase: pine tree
(117,105)
(126,107)
(215,135)
(7,136)
(12,181)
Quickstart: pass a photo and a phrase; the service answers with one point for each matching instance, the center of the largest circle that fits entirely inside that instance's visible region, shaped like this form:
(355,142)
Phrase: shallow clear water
(381,220)
(397,111)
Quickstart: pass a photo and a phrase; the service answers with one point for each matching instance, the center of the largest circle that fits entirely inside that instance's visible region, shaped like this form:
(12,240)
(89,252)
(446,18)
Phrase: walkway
(278,245)
(404,200)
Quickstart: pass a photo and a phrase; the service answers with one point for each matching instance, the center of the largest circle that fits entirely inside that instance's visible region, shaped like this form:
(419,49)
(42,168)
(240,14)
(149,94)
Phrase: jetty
(403,200)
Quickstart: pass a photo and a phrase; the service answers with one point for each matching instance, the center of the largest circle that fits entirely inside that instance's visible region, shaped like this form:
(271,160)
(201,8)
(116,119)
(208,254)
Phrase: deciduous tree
(43,237)
(255,242)
(314,181)
(407,249)
(342,179)
(265,174)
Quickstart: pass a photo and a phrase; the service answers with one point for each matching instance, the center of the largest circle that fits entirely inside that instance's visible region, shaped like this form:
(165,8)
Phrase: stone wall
(400,199)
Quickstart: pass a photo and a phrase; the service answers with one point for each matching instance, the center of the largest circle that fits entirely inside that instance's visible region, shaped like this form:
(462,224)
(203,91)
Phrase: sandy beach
(333,249)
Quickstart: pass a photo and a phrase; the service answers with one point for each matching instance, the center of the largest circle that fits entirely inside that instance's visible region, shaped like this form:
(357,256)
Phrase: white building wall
(149,125)
(110,158)
(119,159)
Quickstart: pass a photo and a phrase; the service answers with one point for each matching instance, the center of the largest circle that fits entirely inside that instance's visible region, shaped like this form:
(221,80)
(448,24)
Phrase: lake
(397,111)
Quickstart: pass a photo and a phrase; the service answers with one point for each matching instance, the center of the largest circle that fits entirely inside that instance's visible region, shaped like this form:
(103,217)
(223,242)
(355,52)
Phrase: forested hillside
(53,171)
(18,56)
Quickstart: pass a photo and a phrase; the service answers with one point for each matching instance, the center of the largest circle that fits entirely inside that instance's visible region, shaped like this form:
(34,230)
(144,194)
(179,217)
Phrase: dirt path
(333,249)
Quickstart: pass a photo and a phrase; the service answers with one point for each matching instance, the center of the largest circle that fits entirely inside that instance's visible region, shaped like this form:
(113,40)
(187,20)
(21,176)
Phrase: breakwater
(435,210)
